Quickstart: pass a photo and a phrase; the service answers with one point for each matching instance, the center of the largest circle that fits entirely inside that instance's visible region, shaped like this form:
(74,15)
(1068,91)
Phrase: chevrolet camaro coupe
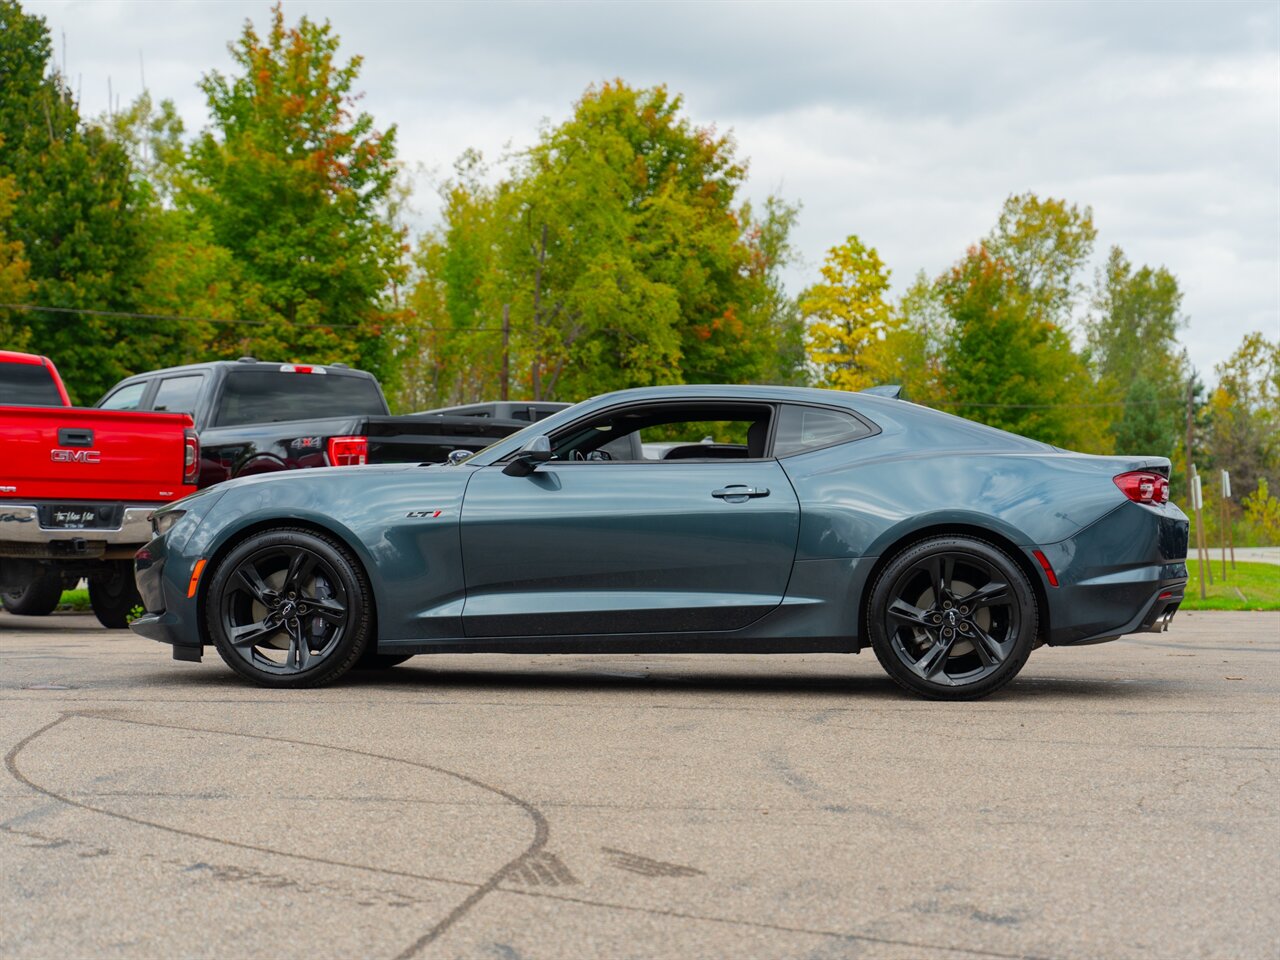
(692,519)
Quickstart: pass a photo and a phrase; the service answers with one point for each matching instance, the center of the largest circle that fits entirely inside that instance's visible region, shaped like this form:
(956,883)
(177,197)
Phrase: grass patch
(78,600)
(1259,582)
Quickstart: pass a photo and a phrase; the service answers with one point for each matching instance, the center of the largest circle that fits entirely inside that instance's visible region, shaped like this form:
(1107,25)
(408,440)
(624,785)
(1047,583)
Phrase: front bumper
(23,535)
(163,580)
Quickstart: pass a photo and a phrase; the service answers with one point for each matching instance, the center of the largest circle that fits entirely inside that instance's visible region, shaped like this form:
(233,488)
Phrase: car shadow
(419,674)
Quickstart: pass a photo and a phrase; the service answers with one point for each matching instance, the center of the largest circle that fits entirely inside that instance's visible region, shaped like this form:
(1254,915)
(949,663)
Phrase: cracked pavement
(1118,800)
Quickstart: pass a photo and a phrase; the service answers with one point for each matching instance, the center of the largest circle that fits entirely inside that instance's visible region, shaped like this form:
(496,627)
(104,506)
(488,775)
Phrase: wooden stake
(1222,530)
(1195,506)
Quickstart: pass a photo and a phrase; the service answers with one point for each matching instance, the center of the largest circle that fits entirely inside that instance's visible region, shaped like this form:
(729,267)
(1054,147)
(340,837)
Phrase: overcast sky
(906,123)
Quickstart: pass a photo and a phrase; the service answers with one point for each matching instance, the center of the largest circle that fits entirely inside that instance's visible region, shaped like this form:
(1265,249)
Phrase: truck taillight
(190,457)
(348,451)
(1140,486)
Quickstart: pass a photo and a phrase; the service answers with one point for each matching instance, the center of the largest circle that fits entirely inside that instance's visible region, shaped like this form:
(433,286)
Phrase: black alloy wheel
(952,618)
(37,598)
(114,596)
(289,608)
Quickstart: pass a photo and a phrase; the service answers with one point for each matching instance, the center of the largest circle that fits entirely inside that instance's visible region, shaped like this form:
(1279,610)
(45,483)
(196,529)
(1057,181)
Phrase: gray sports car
(696,519)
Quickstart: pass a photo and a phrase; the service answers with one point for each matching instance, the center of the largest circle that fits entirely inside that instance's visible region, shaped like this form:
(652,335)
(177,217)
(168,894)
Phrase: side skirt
(614,643)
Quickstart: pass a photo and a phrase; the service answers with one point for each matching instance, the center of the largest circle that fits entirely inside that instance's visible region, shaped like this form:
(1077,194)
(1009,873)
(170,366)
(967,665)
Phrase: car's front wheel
(952,618)
(289,608)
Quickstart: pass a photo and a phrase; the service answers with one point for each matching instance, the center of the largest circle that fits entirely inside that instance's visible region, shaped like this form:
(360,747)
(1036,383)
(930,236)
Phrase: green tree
(912,351)
(77,213)
(1008,366)
(1243,434)
(628,263)
(1133,348)
(15,283)
(1045,244)
(462,290)
(846,314)
(297,185)
(1008,360)
(620,254)
(769,307)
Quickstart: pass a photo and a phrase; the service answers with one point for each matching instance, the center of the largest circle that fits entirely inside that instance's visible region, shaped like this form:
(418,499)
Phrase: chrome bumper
(22,535)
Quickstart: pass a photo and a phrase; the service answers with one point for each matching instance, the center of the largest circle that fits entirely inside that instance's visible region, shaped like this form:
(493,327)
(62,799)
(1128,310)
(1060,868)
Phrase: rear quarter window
(28,385)
(270,396)
(808,428)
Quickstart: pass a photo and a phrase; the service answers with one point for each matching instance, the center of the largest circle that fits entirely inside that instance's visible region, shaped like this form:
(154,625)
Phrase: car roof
(341,370)
(12,356)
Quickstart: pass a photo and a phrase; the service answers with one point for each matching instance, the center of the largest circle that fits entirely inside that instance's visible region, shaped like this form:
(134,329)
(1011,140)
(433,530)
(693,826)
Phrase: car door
(610,547)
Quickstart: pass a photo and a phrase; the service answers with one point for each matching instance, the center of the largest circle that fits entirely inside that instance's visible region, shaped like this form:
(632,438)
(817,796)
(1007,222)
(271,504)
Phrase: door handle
(739,493)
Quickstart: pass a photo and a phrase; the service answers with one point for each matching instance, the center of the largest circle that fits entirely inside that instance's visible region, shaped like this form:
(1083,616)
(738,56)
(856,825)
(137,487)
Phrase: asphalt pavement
(1115,801)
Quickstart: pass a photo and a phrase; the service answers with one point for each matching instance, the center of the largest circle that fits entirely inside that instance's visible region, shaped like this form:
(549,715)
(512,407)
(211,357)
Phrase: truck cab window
(177,395)
(128,397)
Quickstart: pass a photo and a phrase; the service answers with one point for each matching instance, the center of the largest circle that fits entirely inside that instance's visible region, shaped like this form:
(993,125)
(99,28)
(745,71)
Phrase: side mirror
(537,450)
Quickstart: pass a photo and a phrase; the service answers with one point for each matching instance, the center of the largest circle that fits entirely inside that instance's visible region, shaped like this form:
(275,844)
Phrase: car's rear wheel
(952,618)
(37,598)
(114,595)
(289,608)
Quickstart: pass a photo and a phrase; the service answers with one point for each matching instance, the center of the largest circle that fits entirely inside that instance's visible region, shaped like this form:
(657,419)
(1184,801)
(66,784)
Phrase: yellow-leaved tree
(847,314)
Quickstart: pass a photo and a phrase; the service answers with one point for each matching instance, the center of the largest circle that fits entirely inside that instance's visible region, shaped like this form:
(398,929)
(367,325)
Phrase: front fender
(401,523)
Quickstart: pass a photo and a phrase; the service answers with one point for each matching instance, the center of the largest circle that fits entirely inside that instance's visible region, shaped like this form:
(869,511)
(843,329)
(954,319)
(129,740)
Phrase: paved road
(1118,801)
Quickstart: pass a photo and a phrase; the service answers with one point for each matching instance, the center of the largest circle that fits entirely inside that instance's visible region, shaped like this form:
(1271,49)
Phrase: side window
(178,394)
(126,398)
(807,428)
(668,431)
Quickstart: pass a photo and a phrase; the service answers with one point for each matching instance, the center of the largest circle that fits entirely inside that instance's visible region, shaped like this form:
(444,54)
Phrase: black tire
(38,598)
(289,608)
(933,643)
(370,660)
(114,595)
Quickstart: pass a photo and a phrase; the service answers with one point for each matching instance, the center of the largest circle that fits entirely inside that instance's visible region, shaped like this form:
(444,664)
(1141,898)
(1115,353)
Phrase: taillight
(190,457)
(1143,487)
(348,451)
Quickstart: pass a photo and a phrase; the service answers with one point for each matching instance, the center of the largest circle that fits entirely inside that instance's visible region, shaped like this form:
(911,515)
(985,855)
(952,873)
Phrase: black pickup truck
(257,417)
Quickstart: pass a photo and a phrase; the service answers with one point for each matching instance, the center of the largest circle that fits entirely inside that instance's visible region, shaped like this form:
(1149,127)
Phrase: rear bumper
(1126,573)
(22,535)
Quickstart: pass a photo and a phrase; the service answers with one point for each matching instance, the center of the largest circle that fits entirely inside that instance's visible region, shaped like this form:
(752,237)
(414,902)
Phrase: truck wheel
(38,598)
(113,595)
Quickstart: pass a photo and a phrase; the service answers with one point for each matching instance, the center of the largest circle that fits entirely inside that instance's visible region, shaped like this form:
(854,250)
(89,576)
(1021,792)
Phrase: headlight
(162,522)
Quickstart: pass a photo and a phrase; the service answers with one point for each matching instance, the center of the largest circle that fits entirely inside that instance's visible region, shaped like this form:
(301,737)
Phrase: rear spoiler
(893,391)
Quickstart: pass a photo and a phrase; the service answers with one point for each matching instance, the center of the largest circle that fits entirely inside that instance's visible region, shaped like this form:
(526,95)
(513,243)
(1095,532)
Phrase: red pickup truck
(77,488)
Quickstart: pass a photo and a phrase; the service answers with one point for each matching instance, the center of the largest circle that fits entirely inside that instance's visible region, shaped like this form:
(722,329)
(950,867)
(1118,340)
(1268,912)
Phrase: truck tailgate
(74,454)
(430,438)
